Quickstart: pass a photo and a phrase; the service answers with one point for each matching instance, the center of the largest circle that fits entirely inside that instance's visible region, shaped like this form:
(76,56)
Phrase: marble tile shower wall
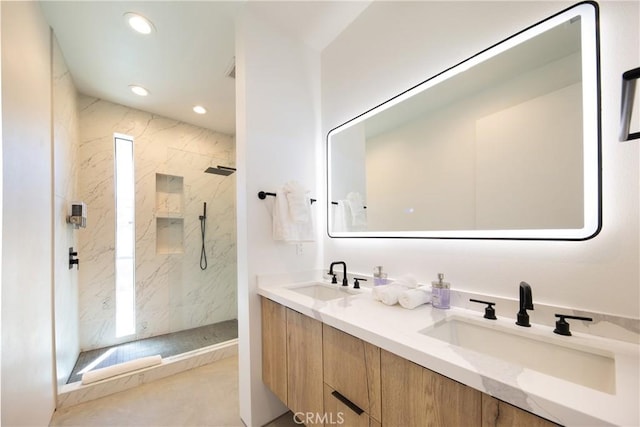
(172,292)
(65,146)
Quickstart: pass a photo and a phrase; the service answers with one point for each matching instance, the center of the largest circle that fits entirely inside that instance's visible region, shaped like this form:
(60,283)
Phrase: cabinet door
(352,367)
(304,366)
(450,403)
(403,400)
(496,413)
(274,348)
(414,396)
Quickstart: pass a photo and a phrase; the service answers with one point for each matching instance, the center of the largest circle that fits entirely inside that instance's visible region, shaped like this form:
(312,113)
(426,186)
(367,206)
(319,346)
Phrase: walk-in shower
(184,245)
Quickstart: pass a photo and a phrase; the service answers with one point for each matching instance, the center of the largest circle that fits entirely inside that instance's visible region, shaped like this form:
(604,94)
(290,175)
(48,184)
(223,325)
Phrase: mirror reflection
(504,145)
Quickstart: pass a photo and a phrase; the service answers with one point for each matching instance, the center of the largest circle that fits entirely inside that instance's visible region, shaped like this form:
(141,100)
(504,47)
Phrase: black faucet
(345,282)
(526,303)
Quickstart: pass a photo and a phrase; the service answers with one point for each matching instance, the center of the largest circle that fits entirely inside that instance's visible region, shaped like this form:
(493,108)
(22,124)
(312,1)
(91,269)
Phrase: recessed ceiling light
(139,90)
(199,109)
(139,23)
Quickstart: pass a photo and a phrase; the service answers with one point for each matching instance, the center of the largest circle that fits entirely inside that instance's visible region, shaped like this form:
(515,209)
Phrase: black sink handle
(356,282)
(489,311)
(562,326)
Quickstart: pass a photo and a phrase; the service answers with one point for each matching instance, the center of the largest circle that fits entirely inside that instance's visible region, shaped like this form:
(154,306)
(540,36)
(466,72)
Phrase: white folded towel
(412,298)
(298,201)
(388,294)
(358,212)
(286,227)
(406,280)
(341,216)
(121,368)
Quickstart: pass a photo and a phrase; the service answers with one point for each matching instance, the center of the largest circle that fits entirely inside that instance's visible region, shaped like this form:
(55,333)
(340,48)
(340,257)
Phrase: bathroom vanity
(338,357)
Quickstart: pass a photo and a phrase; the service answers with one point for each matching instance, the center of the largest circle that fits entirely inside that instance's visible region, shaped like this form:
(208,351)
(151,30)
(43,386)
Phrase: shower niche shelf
(169,214)
(169,236)
(160,214)
(169,196)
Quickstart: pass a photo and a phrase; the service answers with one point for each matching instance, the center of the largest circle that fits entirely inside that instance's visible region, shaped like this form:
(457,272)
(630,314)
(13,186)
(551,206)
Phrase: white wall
(399,44)
(28,379)
(277,114)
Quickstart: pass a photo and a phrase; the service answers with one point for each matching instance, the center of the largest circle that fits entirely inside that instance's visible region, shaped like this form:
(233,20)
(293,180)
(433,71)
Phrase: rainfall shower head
(221,170)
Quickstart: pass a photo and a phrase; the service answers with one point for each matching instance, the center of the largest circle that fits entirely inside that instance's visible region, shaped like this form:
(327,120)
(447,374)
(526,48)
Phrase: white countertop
(397,330)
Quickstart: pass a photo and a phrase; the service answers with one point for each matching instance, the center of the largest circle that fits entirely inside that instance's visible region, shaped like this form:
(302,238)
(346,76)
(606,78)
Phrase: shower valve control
(73,260)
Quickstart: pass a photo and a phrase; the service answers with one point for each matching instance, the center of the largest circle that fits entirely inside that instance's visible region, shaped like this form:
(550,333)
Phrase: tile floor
(202,397)
(164,345)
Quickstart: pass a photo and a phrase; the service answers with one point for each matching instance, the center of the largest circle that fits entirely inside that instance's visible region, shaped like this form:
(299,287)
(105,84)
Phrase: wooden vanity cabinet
(304,365)
(292,359)
(274,347)
(496,413)
(304,362)
(415,396)
(352,369)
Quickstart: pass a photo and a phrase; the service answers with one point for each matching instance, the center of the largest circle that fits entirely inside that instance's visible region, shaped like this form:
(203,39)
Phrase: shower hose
(203,252)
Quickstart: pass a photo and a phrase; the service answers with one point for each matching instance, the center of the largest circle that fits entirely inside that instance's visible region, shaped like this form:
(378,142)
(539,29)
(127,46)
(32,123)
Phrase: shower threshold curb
(76,393)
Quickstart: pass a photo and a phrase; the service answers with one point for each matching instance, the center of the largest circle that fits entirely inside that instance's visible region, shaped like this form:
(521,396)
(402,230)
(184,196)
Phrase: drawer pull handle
(347,402)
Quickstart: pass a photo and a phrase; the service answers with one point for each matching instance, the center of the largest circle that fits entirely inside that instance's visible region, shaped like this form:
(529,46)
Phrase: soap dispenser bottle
(440,293)
(379,277)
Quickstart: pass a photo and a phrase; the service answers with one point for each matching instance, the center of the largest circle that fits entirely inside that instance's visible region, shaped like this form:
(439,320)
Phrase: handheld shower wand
(203,226)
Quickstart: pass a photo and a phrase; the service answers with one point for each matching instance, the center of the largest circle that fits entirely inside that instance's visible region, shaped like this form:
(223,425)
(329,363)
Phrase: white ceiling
(184,62)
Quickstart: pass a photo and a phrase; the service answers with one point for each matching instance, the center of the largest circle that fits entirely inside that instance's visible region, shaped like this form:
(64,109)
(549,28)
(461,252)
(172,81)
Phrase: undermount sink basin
(536,350)
(323,291)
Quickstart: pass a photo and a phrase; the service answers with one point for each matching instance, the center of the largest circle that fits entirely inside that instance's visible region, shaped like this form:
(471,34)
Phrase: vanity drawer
(352,368)
(337,412)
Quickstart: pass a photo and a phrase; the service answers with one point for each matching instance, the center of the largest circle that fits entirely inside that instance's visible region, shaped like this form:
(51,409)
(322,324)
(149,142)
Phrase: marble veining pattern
(65,157)
(557,398)
(603,325)
(172,292)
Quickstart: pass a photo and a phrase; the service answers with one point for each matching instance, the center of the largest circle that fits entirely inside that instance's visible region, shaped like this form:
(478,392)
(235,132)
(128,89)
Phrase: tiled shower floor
(164,345)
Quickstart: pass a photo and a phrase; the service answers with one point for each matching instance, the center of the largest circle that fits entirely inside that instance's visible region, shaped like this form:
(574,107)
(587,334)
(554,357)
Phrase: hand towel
(412,298)
(121,368)
(298,201)
(406,280)
(341,216)
(388,294)
(285,228)
(358,212)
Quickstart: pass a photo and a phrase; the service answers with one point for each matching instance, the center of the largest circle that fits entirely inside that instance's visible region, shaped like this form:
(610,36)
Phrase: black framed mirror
(504,145)
(630,116)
